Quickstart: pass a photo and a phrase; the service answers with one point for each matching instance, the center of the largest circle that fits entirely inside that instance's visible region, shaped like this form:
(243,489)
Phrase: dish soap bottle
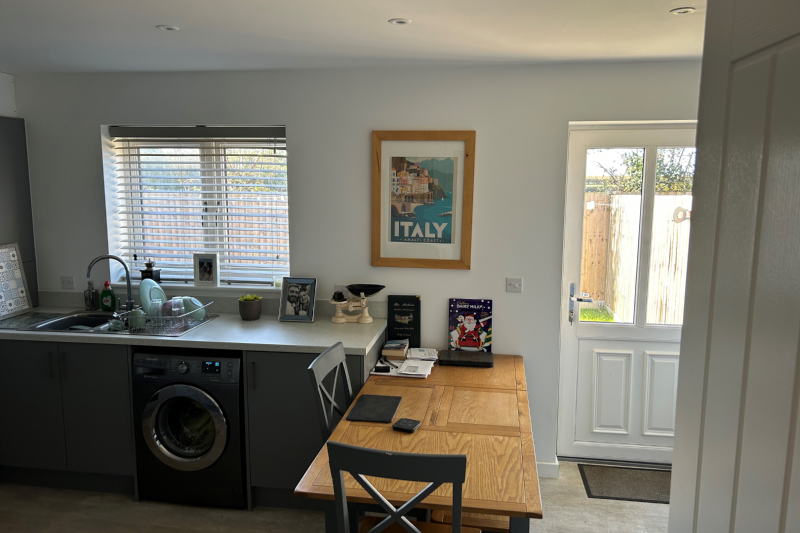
(108,299)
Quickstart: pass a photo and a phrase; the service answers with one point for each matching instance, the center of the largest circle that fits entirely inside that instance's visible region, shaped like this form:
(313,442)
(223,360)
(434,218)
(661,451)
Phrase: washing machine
(189,429)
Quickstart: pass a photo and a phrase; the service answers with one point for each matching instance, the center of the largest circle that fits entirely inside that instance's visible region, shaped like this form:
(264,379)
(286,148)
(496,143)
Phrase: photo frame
(422,192)
(206,269)
(298,296)
(14,295)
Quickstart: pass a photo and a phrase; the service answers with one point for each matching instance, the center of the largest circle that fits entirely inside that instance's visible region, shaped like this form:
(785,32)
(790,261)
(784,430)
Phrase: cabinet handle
(50,365)
(253,374)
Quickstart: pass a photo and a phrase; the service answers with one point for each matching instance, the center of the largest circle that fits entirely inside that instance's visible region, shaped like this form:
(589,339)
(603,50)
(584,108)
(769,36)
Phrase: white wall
(520,114)
(8,103)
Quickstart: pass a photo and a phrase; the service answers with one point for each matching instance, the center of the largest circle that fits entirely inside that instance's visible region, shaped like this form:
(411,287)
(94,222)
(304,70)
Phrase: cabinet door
(30,406)
(97,409)
(282,416)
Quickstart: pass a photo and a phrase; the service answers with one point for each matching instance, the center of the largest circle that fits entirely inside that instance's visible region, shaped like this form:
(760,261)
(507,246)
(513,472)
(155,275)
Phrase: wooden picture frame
(395,203)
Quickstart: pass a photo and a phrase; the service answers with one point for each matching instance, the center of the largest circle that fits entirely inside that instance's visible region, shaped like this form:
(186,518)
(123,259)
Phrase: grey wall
(520,113)
(8,103)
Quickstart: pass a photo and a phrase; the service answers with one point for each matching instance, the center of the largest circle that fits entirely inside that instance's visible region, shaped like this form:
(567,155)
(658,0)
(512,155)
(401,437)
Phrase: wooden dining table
(479,412)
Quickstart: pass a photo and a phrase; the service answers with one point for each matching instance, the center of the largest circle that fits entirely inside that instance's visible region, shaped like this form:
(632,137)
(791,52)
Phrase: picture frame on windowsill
(206,269)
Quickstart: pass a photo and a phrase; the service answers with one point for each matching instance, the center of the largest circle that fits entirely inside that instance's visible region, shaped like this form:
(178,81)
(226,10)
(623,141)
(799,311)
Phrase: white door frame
(584,135)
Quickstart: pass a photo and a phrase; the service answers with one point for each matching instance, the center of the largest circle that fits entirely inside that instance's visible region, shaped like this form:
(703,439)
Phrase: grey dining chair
(433,469)
(331,360)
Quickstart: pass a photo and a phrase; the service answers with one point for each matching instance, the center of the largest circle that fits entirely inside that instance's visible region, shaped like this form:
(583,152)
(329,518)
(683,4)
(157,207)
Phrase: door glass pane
(611,220)
(669,247)
(185,427)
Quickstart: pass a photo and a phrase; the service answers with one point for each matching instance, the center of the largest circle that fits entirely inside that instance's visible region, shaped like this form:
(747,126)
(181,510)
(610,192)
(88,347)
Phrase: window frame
(647,135)
(212,181)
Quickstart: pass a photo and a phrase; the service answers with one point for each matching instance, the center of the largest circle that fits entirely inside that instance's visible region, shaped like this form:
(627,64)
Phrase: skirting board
(67,480)
(547,470)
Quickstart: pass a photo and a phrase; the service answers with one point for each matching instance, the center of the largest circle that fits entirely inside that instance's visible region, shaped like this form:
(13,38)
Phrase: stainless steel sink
(97,322)
(79,322)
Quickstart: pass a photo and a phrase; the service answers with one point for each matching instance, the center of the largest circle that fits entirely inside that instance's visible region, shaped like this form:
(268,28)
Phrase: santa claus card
(470,325)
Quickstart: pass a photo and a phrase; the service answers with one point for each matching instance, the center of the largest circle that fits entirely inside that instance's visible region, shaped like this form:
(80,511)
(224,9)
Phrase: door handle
(253,374)
(584,297)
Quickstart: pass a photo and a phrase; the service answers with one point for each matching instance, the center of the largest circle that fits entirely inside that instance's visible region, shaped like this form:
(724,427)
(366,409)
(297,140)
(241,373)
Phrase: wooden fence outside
(610,255)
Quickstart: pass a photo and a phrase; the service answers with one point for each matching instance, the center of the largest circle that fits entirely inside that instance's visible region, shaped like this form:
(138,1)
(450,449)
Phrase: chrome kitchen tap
(129,303)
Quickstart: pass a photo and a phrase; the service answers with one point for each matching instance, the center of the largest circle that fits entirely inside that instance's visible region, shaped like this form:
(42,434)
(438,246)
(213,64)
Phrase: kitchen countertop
(229,331)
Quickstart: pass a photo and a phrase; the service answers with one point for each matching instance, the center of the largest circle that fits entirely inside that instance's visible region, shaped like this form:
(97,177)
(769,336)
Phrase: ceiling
(120,35)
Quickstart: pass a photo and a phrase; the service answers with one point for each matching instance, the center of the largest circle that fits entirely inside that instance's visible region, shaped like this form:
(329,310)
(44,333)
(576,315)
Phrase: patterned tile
(13,297)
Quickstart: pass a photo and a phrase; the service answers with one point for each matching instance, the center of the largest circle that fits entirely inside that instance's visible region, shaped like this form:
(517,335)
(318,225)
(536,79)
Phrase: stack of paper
(423,354)
(415,368)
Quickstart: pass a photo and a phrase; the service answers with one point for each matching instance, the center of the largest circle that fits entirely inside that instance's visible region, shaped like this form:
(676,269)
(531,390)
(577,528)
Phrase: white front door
(626,240)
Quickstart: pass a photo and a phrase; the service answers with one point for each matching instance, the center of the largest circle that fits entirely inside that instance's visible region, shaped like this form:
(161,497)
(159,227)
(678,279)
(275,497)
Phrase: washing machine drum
(184,427)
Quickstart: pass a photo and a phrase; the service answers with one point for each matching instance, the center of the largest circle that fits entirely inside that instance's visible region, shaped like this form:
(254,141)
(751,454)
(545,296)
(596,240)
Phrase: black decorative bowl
(367,289)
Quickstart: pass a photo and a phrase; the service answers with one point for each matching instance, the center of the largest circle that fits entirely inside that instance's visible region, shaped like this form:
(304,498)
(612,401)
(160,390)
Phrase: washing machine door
(184,427)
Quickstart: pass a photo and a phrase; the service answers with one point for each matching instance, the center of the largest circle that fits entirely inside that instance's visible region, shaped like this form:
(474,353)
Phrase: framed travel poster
(422,184)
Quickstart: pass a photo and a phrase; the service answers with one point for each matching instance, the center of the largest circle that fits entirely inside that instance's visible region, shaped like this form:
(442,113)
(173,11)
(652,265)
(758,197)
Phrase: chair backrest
(433,469)
(332,359)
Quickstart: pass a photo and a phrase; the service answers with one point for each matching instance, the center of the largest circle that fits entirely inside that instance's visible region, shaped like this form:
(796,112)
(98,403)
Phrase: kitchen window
(175,191)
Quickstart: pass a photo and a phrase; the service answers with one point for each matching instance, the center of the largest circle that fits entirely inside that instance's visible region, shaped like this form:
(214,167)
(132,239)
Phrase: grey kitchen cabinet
(282,416)
(15,199)
(31,416)
(97,409)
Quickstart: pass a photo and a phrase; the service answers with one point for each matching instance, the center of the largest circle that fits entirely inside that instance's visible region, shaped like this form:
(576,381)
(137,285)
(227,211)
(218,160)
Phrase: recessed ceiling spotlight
(399,22)
(167,27)
(682,10)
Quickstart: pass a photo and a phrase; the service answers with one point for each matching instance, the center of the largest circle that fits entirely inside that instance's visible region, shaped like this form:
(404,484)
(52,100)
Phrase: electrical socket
(513,284)
(68,283)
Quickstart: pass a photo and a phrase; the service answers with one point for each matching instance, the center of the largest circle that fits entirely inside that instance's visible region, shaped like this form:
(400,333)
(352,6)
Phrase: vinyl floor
(25,509)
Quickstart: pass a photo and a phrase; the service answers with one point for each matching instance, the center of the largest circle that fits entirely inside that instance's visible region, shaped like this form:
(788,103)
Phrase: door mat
(630,484)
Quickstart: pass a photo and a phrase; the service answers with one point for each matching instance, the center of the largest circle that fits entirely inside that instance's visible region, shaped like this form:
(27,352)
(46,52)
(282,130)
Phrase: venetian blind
(183,190)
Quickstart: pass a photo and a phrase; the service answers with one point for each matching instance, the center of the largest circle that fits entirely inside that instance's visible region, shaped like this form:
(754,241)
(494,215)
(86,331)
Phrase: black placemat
(373,408)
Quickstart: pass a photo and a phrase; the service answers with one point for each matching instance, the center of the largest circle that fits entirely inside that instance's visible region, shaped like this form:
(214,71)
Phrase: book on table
(396,349)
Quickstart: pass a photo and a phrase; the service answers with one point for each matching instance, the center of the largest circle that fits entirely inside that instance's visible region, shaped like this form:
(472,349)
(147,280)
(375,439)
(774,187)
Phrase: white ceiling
(120,35)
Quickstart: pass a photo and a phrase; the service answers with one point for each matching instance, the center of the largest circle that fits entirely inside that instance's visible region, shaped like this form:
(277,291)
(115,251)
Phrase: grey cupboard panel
(97,409)
(282,416)
(31,419)
(15,197)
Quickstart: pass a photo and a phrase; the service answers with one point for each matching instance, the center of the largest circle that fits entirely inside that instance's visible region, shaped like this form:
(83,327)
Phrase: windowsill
(223,290)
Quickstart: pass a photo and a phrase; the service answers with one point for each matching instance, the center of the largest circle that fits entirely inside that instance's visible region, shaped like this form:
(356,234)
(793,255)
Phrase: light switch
(513,284)
(68,283)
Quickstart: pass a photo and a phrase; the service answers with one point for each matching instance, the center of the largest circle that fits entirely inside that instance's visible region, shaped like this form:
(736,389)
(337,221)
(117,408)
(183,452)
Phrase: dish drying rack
(163,326)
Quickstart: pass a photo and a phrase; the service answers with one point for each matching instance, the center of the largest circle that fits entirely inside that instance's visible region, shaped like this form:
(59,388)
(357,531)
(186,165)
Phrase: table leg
(519,525)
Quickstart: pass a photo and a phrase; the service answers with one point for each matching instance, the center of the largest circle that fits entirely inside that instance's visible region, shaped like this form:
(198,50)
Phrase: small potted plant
(250,307)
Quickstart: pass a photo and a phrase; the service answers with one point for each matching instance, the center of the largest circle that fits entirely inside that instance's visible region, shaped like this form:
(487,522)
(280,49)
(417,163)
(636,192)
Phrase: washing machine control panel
(195,369)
